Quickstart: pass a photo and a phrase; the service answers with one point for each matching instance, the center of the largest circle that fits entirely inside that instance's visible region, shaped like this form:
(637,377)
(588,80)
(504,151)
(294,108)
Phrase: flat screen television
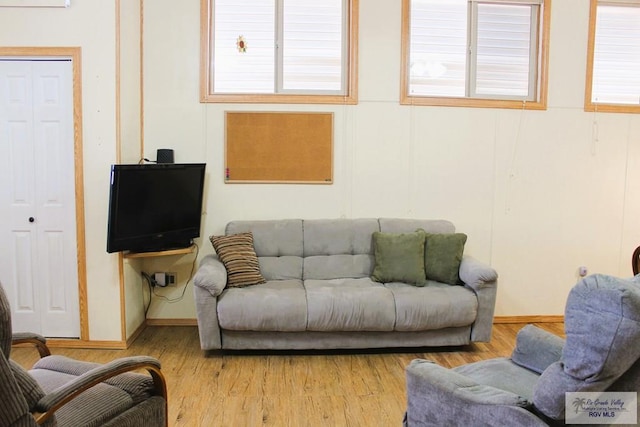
(154,207)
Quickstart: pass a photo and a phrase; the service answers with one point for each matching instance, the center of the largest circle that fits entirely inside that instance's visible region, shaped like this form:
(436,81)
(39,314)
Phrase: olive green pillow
(399,257)
(443,255)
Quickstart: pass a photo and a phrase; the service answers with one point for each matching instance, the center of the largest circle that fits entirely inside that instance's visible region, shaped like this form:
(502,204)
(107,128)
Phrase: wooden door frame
(73,53)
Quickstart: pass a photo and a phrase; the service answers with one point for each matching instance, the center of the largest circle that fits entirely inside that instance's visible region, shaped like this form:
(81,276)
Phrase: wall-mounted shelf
(182,251)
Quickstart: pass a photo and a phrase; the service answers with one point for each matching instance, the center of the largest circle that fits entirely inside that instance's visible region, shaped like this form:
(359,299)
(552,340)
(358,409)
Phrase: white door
(38,253)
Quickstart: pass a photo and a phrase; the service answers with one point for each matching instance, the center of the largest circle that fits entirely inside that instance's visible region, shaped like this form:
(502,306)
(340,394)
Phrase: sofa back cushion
(323,249)
(338,248)
(278,245)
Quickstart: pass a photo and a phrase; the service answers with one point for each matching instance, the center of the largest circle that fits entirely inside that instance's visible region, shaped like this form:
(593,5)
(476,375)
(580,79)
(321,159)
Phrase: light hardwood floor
(285,389)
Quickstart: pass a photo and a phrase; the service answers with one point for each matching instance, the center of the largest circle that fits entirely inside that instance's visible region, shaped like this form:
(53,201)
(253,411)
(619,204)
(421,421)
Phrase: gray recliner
(59,391)
(601,352)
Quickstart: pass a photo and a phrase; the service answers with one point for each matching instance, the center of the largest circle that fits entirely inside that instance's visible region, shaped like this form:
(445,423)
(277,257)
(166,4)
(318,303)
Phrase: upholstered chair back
(5,324)
(601,351)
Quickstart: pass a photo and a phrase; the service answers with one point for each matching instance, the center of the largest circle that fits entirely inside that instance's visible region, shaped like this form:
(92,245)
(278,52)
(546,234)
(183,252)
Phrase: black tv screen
(154,207)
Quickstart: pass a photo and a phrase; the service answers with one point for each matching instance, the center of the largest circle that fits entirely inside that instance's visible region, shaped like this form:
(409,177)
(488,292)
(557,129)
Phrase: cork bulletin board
(278,147)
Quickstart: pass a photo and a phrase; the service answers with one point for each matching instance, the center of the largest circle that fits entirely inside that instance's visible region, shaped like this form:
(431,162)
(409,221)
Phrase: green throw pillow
(443,255)
(399,257)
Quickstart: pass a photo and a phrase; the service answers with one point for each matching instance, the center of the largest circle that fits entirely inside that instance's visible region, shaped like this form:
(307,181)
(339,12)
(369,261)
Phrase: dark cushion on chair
(13,405)
(138,386)
(94,407)
(150,409)
(30,388)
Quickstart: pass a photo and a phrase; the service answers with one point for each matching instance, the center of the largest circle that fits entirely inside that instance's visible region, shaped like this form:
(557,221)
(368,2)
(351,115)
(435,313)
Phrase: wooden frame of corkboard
(278,147)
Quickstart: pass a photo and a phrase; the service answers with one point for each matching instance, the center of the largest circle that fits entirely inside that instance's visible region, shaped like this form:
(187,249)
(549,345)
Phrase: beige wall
(538,192)
(91,26)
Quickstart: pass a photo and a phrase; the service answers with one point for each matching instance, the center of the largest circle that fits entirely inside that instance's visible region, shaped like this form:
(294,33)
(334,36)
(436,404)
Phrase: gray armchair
(65,392)
(601,353)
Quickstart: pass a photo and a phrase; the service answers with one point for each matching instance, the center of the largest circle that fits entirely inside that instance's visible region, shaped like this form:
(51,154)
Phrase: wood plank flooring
(285,388)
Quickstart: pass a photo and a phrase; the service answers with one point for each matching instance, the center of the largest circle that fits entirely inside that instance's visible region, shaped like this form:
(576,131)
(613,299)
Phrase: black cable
(193,267)
(151,282)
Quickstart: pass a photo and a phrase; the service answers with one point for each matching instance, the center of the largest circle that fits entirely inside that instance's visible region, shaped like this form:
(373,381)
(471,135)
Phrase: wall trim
(172,322)
(103,345)
(529,319)
(135,334)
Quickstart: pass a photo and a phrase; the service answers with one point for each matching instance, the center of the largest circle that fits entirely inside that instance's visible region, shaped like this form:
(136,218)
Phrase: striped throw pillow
(239,258)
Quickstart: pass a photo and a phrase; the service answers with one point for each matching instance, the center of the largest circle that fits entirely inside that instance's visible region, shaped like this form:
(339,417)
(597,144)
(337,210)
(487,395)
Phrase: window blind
(294,46)
(503,50)
(616,63)
(473,48)
(438,48)
(312,45)
(251,70)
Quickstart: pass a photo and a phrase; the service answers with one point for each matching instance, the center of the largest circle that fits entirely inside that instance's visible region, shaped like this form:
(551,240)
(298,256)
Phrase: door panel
(36,139)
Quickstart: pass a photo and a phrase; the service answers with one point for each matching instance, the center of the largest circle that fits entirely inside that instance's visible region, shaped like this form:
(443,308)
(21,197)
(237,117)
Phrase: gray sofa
(319,293)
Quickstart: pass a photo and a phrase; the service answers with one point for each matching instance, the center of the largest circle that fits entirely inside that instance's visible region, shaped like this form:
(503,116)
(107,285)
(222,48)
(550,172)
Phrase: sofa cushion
(338,248)
(278,305)
(281,267)
(349,305)
(399,257)
(443,255)
(325,267)
(278,244)
(338,236)
(272,237)
(435,306)
(239,258)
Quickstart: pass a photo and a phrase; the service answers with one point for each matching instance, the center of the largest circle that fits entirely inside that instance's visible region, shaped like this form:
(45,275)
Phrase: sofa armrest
(211,275)
(483,280)
(437,396)
(209,282)
(477,274)
(536,348)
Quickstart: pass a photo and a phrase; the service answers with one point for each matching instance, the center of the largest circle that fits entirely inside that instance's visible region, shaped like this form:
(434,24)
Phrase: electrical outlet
(583,271)
(165,279)
(172,279)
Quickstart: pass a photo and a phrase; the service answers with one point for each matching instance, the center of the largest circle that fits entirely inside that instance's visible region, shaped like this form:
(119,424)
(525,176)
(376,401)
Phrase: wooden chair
(635,260)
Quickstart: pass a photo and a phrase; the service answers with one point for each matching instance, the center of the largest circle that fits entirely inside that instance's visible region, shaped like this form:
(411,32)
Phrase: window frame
(589,105)
(350,97)
(542,32)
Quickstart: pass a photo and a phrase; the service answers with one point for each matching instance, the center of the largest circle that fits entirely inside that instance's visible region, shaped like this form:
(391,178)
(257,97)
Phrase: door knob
(32,219)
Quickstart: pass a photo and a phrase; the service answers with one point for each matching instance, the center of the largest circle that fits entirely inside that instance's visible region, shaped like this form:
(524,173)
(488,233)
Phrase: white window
(280,48)
(475,52)
(613,76)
